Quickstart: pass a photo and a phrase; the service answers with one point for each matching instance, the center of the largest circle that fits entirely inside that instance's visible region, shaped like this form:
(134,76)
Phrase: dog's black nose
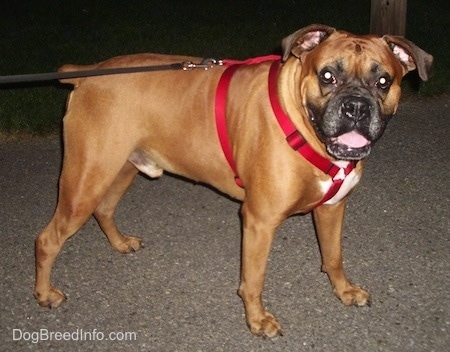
(355,108)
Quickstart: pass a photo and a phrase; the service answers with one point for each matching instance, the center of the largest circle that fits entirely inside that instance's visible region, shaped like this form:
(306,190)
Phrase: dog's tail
(75,68)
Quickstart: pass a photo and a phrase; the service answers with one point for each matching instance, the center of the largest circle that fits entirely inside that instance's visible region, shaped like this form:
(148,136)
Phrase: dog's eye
(327,77)
(384,82)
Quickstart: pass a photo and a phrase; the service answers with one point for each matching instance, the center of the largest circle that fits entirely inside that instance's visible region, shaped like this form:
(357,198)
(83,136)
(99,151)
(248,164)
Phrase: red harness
(293,136)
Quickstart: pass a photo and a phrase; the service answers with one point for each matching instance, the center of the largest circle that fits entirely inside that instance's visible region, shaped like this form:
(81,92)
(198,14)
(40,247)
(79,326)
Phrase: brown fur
(165,121)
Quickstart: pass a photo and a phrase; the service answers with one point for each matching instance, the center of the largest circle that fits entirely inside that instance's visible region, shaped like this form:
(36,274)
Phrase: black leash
(51,76)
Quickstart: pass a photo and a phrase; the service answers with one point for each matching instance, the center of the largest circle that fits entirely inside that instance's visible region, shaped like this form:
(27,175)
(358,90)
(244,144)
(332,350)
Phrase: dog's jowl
(284,135)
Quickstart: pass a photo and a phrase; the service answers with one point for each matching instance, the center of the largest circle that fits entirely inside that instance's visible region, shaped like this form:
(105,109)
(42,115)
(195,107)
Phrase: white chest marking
(350,181)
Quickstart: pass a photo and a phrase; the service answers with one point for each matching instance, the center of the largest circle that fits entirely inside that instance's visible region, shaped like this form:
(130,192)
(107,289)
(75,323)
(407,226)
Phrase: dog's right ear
(305,39)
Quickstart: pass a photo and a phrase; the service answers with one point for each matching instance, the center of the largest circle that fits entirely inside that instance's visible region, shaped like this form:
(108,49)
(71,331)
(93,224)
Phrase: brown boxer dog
(335,89)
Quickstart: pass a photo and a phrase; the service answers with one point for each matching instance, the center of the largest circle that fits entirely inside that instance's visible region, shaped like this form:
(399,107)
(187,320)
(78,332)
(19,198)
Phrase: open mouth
(349,146)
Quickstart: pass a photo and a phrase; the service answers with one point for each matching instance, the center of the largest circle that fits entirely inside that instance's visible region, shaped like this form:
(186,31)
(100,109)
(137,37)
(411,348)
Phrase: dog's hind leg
(104,213)
(87,175)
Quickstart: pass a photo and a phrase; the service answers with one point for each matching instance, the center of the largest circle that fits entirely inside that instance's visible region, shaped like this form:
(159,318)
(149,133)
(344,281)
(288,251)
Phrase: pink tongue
(352,139)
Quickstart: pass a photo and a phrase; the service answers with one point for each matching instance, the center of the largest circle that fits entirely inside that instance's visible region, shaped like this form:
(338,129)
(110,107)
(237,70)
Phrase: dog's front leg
(258,234)
(329,221)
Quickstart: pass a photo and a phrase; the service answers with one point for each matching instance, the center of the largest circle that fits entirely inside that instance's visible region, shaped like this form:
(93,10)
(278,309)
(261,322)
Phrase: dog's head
(350,85)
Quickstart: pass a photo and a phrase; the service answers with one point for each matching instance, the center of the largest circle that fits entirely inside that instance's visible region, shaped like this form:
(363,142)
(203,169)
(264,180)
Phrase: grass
(40,36)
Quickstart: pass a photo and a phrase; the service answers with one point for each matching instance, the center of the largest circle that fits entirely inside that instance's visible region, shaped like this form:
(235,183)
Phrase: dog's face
(350,85)
(353,90)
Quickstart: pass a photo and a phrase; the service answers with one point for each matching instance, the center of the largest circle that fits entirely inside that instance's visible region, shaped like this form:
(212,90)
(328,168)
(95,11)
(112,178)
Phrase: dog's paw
(265,326)
(128,244)
(354,295)
(51,299)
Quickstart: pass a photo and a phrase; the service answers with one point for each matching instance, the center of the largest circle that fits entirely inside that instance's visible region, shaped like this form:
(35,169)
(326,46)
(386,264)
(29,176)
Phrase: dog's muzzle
(352,144)
(349,126)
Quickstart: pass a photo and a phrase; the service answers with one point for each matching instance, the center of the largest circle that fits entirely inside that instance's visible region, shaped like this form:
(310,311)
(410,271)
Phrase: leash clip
(209,62)
(206,64)
(188,65)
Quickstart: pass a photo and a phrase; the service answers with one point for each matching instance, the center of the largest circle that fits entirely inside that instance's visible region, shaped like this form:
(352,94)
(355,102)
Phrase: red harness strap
(293,136)
(221,105)
(298,143)
(221,122)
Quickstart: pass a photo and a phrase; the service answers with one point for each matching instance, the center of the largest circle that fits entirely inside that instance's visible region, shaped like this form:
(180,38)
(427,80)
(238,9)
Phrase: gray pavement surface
(179,292)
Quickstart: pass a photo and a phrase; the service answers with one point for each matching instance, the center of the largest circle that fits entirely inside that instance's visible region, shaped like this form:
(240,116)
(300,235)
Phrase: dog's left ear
(305,39)
(410,55)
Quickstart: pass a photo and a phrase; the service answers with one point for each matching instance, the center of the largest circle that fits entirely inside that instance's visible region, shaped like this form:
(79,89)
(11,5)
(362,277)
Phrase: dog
(284,135)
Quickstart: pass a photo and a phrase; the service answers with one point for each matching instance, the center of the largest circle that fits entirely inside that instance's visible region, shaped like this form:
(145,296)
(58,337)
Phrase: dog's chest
(350,181)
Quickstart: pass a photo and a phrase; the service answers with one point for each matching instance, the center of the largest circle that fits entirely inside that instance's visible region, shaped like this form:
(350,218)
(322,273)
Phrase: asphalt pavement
(179,292)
